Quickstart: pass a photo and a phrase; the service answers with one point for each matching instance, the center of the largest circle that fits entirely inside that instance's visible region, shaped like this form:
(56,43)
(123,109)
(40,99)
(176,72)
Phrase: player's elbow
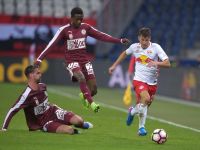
(168,64)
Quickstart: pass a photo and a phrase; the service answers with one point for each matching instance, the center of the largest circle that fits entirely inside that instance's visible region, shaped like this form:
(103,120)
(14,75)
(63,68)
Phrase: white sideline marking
(178,101)
(122,110)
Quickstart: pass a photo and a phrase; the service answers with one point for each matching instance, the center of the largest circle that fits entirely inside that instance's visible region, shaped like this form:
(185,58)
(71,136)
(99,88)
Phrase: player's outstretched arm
(8,118)
(57,37)
(106,37)
(166,63)
(19,104)
(121,57)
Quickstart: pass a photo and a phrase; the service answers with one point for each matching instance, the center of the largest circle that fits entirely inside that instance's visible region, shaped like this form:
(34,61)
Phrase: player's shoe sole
(84,101)
(130,117)
(142,131)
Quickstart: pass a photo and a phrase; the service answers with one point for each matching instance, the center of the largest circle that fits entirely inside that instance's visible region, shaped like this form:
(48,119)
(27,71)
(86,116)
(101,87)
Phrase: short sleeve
(130,50)
(161,53)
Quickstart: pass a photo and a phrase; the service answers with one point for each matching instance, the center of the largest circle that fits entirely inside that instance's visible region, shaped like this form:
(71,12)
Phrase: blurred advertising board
(182,83)
(19,34)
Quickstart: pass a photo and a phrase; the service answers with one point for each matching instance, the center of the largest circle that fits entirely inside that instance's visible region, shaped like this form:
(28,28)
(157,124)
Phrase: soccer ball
(159,136)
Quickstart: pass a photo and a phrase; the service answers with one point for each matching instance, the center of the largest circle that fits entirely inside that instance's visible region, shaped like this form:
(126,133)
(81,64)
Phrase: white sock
(142,115)
(137,109)
(134,110)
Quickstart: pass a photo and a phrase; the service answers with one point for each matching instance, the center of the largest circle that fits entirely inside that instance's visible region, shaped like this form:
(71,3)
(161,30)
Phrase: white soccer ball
(159,136)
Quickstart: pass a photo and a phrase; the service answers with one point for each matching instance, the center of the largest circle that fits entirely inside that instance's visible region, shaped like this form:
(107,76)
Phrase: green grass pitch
(110,131)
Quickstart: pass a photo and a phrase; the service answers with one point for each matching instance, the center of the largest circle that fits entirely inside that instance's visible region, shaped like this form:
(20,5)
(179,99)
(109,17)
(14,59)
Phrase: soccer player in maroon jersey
(39,113)
(77,59)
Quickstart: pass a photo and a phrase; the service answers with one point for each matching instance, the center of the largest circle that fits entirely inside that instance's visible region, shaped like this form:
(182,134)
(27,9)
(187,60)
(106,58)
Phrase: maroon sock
(86,92)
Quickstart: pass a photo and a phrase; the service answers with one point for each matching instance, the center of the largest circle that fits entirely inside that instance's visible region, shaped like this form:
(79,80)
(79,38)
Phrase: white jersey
(142,56)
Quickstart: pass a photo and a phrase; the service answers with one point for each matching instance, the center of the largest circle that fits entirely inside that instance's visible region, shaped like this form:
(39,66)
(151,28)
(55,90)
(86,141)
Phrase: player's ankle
(76,131)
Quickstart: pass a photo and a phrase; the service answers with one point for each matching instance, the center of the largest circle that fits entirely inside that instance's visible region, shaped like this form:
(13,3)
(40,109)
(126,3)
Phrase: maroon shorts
(85,68)
(59,117)
(141,86)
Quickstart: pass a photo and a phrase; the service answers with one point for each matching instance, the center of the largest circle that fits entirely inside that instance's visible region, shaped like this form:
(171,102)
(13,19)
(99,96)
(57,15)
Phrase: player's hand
(152,64)
(37,63)
(125,41)
(3,130)
(111,69)
(95,107)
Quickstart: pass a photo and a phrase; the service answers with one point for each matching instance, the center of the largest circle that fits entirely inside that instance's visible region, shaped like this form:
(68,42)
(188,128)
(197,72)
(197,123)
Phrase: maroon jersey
(75,42)
(36,107)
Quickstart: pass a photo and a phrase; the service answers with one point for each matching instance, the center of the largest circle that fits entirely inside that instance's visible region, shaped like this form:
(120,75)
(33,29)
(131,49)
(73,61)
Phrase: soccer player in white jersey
(148,58)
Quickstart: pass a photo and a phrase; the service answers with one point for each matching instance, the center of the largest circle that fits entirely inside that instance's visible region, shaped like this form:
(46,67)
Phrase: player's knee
(77,121)
(80,77)
(146,99)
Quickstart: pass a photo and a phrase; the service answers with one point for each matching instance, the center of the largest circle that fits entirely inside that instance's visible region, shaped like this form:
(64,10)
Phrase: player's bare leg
(66,129)
(77,121)
(86,94)
(83,87)
(93,88)
(151,100)
(145,97)
(92,85)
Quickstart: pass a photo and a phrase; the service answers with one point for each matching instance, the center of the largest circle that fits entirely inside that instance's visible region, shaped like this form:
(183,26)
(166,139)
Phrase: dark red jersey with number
(36,107)
(75,42)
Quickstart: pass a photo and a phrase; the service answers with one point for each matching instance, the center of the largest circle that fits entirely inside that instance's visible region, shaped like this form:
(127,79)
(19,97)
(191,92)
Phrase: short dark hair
(145,32)
(76,10)
(29,69)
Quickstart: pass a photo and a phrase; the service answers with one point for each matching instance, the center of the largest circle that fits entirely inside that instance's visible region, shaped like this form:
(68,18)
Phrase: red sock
(86,92)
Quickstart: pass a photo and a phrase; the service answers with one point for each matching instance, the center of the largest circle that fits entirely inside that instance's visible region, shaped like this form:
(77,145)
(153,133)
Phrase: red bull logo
(143,59)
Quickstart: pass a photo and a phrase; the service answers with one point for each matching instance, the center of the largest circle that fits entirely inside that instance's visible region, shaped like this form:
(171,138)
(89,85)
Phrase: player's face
(144,41)
(37,75)
(77,20)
